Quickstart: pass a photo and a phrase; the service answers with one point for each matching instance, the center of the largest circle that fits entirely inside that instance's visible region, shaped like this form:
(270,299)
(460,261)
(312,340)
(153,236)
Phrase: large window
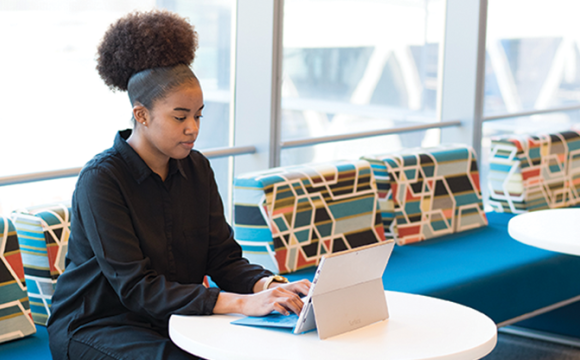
(352,66)
(54,104)
(533,55)
(344,67)
(530,68)
(213,22)
(56,111)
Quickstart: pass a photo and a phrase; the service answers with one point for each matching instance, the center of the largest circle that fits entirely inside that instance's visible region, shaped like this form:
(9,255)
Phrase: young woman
(147,220)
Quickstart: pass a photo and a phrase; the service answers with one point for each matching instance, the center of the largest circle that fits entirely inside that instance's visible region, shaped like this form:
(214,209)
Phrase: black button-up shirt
(140,247)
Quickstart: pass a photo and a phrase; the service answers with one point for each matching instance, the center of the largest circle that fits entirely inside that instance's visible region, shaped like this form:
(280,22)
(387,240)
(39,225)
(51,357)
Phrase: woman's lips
(188,144)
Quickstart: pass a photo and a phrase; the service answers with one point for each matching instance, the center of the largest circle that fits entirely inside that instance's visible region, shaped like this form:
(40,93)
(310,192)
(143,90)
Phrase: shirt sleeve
(107,223)
(226,266)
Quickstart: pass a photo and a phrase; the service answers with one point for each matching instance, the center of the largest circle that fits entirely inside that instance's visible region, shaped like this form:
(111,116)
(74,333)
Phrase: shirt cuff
(212,297)
(257,278)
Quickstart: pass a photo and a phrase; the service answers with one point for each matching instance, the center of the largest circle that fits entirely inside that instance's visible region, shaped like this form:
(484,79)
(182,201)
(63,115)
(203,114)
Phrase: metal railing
(360,135)
(244,150)
(529,113)
(237,150)
(72,172)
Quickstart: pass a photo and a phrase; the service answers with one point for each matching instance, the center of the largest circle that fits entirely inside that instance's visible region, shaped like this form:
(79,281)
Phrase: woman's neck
(157,162)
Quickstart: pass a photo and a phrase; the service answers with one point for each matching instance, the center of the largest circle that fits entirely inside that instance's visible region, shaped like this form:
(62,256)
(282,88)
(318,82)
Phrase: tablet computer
(347,293)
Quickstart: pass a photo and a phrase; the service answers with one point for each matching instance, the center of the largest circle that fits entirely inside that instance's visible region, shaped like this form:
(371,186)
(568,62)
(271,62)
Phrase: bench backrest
(43,234)
(15,316)
(428,192)
(534,172)
(287,218)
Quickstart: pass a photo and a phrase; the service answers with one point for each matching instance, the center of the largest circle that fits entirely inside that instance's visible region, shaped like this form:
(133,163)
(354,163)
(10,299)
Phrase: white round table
(553,229)
(419,327)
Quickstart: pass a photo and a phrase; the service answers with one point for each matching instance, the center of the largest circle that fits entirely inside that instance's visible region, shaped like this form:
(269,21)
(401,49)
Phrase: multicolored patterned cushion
(287,218)
(43,235)
(15,316)
(534,172)
(431,192)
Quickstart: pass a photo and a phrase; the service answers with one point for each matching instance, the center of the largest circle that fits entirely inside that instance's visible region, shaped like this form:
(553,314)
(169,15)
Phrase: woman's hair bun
(144,40)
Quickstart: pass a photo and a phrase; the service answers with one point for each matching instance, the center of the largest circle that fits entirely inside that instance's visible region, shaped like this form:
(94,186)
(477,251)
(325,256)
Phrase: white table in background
(419,327)
(553,229)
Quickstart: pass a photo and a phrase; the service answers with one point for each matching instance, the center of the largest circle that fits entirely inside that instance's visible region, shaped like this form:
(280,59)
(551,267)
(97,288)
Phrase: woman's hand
(275,299)
(284,298)
(298,287)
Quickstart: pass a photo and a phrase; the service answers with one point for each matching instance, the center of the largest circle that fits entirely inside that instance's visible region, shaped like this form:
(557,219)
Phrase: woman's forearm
(283,298)
(228,303)
(259,285)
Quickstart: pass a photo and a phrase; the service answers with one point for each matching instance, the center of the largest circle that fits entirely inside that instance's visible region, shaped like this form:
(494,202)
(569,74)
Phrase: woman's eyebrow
(186,109)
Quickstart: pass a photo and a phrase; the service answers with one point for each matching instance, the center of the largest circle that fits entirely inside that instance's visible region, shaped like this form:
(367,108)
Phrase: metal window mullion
(255,81)
(277,65)
(480,81)
(462,71)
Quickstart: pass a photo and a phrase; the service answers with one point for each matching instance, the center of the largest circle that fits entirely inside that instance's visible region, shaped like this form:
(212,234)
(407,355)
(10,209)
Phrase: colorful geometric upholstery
(15,317)
(431,192)
(287,218)
(43,234)
(534,172)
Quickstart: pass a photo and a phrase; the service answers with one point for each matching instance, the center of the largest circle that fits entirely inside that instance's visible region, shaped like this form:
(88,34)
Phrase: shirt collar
(175,166)
(136,165)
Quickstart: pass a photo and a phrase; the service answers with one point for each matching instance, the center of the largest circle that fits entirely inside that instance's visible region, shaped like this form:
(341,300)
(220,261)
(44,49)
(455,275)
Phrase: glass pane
(532,63)
(536,124)
(56,111)
(54,103)
(221,167)
(213,22)
(354,66)
(14,197)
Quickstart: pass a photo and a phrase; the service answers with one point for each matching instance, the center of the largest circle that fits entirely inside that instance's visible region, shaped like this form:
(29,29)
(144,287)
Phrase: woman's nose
(192,127)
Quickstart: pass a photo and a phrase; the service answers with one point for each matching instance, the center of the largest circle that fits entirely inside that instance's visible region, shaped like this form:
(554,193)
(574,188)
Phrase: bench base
(540,335)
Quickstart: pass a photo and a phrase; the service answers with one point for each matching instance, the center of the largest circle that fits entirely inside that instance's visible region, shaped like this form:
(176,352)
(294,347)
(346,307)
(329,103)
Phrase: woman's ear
(141,114)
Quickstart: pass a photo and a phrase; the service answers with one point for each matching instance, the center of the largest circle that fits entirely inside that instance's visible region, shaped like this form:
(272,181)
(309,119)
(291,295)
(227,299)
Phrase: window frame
(255,107)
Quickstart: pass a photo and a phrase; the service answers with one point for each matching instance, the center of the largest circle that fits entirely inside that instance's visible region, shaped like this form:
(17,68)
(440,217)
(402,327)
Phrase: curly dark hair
(144,40)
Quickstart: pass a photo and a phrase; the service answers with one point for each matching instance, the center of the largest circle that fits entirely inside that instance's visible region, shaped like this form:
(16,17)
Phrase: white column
(256,104)
(462,71)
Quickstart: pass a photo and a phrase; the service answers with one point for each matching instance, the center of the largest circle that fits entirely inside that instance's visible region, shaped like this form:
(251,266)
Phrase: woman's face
(173,122)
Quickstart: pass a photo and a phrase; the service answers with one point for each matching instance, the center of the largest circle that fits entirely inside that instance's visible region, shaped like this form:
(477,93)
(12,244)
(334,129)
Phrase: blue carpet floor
(512,347)
(509,347)
(33,347)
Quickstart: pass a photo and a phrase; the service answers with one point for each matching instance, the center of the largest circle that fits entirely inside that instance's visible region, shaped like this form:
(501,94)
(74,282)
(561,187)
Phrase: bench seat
(484,269)
(34,346)
(563,321)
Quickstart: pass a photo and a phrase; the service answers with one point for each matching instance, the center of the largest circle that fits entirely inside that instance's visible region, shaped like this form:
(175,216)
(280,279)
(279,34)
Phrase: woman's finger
(288,299)
(298,287)
(293,304)
(281,309)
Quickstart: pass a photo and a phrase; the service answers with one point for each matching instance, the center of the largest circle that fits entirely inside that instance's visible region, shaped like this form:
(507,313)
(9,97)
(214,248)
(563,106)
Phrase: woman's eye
(198,117)
(180,118)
